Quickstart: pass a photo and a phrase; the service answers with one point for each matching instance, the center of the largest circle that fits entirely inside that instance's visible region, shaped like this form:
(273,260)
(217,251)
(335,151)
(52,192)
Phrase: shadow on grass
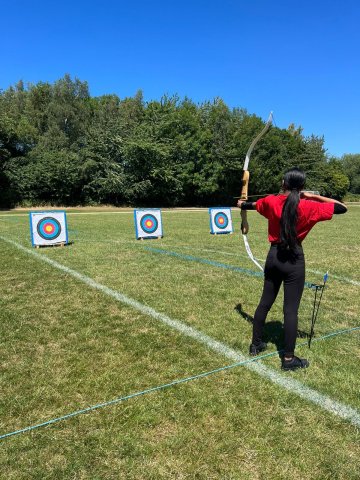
(273,330)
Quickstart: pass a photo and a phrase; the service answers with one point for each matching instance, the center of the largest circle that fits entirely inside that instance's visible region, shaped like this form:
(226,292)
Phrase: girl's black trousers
(282,266)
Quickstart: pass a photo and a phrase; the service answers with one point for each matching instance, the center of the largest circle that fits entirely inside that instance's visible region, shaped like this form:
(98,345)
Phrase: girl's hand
(239,203)
(306,195)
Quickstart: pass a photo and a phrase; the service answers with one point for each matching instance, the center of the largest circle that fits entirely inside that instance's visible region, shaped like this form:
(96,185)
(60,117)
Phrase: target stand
(220,220)
(148,224)
(48,228)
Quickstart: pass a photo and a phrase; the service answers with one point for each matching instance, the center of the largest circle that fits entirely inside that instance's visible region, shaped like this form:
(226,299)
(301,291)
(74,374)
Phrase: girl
(291,216)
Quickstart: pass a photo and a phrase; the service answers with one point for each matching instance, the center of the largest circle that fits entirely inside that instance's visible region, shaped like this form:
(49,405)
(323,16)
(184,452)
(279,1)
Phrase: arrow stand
(317,288)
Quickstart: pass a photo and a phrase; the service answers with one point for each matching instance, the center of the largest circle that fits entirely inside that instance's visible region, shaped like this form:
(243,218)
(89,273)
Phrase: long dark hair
(294,181)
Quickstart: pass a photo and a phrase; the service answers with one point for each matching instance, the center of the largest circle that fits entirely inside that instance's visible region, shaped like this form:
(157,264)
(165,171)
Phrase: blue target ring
(221,220)
(49,228)
(149,223)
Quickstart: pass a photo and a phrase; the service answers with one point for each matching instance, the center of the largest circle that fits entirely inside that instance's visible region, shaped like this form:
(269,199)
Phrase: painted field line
(337,277)
(67,213)
(283,380)
(225,266)
(195,210)
(205,261)
(132,212)
(159,387)
(232,254)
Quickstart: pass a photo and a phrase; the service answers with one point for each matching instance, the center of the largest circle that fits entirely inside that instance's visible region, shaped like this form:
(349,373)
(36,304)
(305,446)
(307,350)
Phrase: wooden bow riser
(245,185)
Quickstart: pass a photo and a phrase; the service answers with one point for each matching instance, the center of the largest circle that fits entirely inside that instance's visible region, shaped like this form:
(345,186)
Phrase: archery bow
(244,190)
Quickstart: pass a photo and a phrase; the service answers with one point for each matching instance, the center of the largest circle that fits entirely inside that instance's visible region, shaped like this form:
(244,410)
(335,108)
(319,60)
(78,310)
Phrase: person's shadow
(273,330)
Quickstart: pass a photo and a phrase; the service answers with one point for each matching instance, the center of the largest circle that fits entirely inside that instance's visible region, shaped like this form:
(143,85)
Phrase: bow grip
(245,184)
(244,222)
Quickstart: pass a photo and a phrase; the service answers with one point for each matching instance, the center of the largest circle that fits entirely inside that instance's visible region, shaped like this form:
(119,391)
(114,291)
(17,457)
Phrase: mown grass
(65,346)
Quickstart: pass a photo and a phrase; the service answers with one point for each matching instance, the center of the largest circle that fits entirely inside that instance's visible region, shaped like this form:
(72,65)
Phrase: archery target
(48,228)
(220,220)
(148,223)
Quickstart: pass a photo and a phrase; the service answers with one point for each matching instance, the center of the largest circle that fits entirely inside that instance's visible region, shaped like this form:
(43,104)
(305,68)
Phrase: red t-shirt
(310,212)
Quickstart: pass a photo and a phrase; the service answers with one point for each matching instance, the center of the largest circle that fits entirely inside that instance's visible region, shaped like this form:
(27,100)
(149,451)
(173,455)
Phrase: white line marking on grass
(67,213)
(184,210)
(290,384)
(232,254)
(337,277)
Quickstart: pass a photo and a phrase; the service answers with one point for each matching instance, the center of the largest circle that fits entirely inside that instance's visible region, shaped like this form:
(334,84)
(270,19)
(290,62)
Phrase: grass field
(109,316)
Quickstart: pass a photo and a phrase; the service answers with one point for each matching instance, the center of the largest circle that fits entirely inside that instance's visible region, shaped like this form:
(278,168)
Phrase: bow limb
(256,139)
(244,190)
(244,220)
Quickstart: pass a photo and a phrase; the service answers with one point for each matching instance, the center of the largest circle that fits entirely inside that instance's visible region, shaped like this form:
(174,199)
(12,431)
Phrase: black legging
(282,266)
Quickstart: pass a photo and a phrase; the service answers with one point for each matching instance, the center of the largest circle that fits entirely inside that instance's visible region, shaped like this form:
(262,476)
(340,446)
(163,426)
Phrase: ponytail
(294,181)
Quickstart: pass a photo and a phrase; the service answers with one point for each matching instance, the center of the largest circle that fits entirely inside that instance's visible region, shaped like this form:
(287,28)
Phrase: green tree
(59,145)
(351,164)
(335,181)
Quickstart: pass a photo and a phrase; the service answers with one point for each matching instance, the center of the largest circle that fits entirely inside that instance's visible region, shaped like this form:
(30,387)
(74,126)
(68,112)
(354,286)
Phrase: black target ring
(48,228)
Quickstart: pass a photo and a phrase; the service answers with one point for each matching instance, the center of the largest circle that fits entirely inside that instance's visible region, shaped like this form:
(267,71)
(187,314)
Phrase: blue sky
(299,59)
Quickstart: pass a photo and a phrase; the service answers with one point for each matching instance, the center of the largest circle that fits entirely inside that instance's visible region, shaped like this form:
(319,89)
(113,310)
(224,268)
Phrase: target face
(148,223)
(48,228)
(220,220)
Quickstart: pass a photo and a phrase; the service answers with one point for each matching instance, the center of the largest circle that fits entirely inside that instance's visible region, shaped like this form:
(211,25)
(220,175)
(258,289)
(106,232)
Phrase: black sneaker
(294,363)
(255,349)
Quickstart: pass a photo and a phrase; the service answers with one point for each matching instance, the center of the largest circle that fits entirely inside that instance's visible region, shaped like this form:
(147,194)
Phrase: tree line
(60,146)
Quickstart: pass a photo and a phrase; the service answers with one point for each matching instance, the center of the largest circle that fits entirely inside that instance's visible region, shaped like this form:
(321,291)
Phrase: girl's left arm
(339,207)
(244,205)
